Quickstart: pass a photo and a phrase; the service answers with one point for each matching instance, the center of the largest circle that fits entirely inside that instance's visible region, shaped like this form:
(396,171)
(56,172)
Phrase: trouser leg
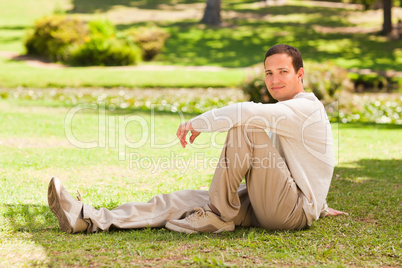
(154,213)
(158,211)
(274,199)
(246,216)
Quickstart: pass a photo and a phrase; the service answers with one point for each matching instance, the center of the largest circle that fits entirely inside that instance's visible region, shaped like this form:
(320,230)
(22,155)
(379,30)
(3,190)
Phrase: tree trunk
(387,26)
(212,13)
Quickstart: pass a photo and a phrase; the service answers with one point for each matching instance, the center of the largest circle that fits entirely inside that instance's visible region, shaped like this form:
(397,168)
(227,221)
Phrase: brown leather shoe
(67,210)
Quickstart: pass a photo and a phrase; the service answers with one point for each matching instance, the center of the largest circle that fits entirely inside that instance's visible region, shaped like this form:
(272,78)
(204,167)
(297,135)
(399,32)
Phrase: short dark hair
(293,52)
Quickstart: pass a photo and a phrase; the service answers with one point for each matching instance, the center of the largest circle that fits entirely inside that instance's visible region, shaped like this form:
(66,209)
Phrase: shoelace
(78,196)
(198,212)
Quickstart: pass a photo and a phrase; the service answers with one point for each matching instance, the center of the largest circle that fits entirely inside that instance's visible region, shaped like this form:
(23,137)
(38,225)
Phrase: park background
(356,68)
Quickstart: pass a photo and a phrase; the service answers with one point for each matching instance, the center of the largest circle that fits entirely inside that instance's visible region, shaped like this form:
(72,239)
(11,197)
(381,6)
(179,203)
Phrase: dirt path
(31,61)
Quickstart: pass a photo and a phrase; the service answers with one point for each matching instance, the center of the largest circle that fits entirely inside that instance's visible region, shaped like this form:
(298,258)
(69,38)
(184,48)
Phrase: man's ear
(300,74)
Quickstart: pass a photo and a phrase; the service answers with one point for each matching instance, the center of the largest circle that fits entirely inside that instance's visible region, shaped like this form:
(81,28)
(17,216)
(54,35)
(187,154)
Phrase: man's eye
(268,73)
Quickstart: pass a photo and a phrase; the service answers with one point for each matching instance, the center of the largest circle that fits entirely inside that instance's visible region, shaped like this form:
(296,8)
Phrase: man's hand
(334,212)
(182,133)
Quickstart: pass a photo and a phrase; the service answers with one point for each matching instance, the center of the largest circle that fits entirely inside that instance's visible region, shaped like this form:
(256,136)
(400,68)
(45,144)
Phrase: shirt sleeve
(281,117)
(324,210)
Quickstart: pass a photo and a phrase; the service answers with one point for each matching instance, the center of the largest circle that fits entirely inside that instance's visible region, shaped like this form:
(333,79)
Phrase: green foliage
(61,38)
(53,37)
(369,82)
(378,108)
(103,28)
(105,52)
(150,39)
(187,101)
(326,81)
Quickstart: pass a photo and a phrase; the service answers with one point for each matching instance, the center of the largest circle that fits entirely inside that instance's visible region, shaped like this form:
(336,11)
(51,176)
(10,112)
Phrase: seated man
(287,173)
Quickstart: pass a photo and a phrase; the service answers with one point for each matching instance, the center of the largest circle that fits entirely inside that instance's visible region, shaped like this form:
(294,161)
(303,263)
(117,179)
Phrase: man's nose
(275,78)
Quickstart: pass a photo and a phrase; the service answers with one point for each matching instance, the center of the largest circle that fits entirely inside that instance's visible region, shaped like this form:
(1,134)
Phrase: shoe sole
(179,229)
(53,198)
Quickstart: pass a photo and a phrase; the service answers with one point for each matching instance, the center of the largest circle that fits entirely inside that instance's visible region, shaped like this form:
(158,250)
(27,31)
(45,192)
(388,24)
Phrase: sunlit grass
(20,74)
(33,148)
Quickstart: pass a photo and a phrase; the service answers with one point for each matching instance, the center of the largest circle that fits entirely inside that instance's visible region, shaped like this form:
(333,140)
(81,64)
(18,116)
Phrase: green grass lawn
(33,148)
(19,74)
(321,33)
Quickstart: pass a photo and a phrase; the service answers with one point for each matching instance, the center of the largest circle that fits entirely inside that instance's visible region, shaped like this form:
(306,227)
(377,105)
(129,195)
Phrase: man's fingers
(194,134)
(179,132)
(182,133)
(182,138)
(334,212)
(192,138)
(183,144)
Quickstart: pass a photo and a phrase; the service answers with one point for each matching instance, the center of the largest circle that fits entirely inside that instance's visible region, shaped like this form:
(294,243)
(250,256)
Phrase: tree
(212,13)
(387,26)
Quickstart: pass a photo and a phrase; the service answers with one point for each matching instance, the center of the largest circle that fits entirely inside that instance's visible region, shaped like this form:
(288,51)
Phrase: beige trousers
(270,198)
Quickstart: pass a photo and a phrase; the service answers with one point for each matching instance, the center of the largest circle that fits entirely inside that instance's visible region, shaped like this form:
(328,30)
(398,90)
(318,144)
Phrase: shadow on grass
(368,189)
(377,171)
(43,230)
(324,16)
(13,27)
(93,6)
(5,40)
(369,126)
(245,43)
(28,217)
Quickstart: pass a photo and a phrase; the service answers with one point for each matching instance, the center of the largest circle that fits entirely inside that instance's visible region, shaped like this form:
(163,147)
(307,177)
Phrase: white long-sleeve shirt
(299,129)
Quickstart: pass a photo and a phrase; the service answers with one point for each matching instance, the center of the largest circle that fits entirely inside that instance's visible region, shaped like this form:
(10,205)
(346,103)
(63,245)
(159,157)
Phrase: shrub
(61,38)
(370,107)
(324,80)
(102,28)
(103,48)
(105,52)
(369,82)
(53,37)
(150,39)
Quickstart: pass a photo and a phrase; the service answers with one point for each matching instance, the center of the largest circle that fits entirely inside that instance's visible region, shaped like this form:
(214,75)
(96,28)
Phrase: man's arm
(182,133)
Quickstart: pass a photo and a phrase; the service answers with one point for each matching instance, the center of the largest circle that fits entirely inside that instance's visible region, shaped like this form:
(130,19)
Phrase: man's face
(280,77)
